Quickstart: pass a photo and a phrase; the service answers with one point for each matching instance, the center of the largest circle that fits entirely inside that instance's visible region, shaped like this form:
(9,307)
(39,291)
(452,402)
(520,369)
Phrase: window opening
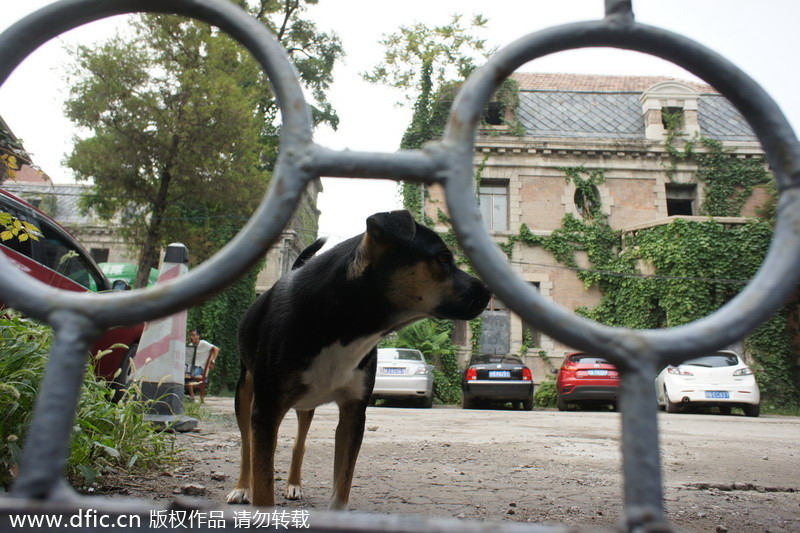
(100,255)
(493,197)
(672,118)
(493,115)
(681,199)
(587,201)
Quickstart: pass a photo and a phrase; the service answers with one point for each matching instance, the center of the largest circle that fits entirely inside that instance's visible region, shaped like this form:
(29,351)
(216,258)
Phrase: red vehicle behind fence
(586,379)
(59,260)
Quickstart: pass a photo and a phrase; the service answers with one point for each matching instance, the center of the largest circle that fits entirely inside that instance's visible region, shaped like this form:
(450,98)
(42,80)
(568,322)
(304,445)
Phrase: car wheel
(560,403)
(527,404)
(725,409)
(466,403)
(751,410)
(615,406)
(671,406)
(126,371)
(426,402)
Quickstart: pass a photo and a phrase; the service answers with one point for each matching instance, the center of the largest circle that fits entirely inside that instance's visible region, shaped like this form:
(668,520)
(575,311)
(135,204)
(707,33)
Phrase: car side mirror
(554,371)
(120,285)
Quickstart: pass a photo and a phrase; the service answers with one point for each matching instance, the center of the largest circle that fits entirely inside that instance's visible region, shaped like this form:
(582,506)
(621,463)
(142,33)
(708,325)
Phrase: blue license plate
(499,373)
(718,394)
(394,371)
(597,372)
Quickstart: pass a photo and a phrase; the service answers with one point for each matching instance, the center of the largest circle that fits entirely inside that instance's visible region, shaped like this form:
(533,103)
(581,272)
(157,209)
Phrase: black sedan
(497,379)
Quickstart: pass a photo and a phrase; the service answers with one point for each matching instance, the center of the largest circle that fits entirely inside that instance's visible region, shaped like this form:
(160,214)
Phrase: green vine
(699,266)
(527,342)
(587,197)
(728,181)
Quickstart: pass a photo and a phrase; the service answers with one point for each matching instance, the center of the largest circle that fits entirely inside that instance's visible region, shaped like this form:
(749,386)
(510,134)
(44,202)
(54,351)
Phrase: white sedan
(720,379)
(403,374)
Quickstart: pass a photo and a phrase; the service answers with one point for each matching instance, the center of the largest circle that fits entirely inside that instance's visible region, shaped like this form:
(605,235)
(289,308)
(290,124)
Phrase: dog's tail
(309,252)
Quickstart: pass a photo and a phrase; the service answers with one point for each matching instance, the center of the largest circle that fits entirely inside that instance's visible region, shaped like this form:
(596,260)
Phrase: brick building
(614,124)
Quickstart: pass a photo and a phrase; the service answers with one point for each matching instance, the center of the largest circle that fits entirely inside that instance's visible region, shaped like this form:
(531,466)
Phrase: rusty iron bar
(77,318)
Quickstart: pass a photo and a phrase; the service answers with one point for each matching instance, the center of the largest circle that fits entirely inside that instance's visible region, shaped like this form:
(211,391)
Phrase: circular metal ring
(264,228)
(764,294)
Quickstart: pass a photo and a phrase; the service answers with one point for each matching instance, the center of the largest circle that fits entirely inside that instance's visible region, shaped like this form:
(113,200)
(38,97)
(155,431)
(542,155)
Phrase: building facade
(614,126)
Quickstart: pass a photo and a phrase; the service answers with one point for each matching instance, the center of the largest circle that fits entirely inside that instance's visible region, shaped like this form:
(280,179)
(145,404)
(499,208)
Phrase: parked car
(586,379)
(720,379)
(497,378)
(403,374)
(59,260)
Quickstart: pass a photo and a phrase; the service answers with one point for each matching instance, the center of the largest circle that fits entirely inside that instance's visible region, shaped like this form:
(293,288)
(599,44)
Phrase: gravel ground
(721,473)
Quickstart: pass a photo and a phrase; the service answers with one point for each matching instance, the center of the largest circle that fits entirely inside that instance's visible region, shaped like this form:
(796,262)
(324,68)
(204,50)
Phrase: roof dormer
(669,103)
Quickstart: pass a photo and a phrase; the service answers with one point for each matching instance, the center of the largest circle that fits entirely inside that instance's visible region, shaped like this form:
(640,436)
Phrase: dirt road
(722,473)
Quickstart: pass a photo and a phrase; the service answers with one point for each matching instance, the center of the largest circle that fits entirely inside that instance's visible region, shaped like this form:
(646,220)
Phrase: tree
(183,124)
(439,54)
(428,63)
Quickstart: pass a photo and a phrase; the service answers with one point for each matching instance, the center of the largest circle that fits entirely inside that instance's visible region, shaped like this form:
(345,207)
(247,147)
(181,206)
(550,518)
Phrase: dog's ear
(394,226)
(383,230)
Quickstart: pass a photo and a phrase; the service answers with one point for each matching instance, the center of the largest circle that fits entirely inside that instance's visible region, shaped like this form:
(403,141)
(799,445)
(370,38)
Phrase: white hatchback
(719,379)
(403,374)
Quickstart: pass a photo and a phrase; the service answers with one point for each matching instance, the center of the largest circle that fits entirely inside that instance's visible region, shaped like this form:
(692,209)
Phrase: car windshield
(587,359)
(393,354)
(495,359)
(716,360)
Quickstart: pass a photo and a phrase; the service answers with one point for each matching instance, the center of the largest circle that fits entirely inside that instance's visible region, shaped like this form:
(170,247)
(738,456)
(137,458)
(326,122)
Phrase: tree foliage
(428,64)
(440,53)
(184,124)
(433,338)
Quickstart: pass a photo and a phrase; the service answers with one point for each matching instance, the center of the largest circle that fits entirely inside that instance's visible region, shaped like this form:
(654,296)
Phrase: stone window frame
(664,95)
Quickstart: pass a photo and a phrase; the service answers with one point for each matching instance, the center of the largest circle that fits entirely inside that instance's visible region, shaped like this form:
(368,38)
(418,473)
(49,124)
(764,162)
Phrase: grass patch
(108,436)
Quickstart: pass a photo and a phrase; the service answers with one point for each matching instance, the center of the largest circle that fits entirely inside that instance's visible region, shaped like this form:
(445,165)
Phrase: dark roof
(609,107)
(577,114)
(720,120)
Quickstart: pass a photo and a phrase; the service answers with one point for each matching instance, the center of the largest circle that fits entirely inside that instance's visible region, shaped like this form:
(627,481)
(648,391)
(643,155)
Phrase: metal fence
(78,318)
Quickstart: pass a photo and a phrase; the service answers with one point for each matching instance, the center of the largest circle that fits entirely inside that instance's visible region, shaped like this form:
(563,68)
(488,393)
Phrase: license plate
(499,373)
(717,394)
(597,372)
(394,370)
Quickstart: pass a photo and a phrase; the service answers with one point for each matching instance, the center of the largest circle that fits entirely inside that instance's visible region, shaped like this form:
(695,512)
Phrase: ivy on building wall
(697,266)
(218,318)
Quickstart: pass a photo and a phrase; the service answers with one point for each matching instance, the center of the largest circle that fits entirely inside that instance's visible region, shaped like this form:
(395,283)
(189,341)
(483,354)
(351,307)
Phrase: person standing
(198,353)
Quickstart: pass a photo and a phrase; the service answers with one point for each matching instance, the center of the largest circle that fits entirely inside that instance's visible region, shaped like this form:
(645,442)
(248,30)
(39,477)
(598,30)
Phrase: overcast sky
(762,38)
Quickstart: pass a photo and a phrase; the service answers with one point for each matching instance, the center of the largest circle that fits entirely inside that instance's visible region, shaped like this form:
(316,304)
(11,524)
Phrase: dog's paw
(238,496)
(294,492)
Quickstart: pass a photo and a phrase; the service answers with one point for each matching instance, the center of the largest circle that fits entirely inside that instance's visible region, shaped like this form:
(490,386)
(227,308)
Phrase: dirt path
(722,473)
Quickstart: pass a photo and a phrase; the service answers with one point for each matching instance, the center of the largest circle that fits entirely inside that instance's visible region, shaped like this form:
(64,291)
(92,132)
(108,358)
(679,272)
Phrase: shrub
(108,436)
(545,395)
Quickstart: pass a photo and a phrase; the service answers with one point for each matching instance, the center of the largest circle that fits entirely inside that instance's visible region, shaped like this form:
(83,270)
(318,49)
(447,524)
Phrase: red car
(586,379)
(59,260)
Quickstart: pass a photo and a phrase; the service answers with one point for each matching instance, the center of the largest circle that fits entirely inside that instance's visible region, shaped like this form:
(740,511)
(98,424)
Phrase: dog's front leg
(244,407)
(349,434)
(294,489)
(266,419)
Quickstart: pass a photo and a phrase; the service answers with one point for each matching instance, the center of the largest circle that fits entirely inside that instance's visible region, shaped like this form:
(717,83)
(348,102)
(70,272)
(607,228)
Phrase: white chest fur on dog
(334,374)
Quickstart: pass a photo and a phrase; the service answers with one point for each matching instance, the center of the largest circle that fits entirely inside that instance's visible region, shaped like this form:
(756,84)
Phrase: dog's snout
(482,291)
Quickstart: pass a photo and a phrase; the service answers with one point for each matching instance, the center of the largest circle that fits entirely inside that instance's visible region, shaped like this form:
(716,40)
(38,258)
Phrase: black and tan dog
(312,338)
